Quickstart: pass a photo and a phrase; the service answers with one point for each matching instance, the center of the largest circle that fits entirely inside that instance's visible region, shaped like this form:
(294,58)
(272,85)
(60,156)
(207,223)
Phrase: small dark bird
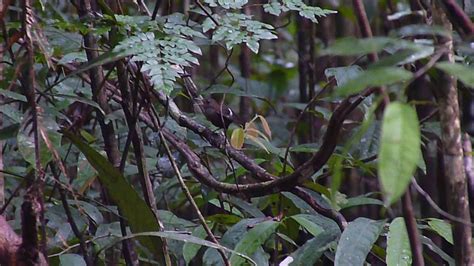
(219,115)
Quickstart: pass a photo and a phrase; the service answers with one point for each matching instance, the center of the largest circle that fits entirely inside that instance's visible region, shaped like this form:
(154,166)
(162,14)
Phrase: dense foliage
(346,142)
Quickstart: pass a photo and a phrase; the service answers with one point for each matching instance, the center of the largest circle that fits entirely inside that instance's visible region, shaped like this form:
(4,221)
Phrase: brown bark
(467,148)
(455,178)
(245,71)
(10,247)
(364,24)
(32,209)
(412,229)
(97,80)
(2,177)
(461,21)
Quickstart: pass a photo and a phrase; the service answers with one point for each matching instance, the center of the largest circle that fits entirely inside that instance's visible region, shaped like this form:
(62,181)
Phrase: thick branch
(458,18)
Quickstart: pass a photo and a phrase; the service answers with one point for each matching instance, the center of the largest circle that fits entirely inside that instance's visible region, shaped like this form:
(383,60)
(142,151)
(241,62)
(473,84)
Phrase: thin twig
(209,15)
(189,196)
(436,207)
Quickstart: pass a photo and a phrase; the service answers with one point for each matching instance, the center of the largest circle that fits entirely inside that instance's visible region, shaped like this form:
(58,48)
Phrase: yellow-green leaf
(266,126)
(237,138)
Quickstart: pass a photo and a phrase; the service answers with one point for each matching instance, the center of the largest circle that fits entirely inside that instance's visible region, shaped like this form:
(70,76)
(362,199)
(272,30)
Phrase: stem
(189,196)
(413,234)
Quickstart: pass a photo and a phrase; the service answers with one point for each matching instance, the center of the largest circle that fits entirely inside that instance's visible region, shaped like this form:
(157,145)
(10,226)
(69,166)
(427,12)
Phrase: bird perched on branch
(219,115)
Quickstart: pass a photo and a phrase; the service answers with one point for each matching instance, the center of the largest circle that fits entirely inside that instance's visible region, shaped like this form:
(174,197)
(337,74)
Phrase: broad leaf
(246,207)
(230,239)
(460,71)
(400,149)
(13,95)
(139,216)
(353,46)
(305,220)
(237,138)
(311,251)
(432,246)
(71,260)
(253,239)
(443,228)
(398,244)
(26,138)
(190,249)
(356,241)
(343,74)
(360,200)
(171,235)
(381,76)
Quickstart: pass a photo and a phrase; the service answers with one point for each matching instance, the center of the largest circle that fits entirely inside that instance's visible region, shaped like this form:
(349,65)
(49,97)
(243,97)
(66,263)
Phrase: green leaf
(398,244)
(139,216)
(190,249)
(73,57)
(253,239)
(224,219)
(305,208)
(360,200)
(343,74)
(372,78)
(443,228)
(12,112)
(462,72)
(82,100)
(26,139)
(246,207)
(103,59)
(309,225)
(183,238)
(71,260)
(356,241)
(9,132)
(311,251)
(400,149)
(353,46)
(274,8)
(230,3)
(432,246)
(13,95)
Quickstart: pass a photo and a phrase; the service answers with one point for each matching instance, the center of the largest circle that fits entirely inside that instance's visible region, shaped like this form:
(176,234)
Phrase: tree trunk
(455,178)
